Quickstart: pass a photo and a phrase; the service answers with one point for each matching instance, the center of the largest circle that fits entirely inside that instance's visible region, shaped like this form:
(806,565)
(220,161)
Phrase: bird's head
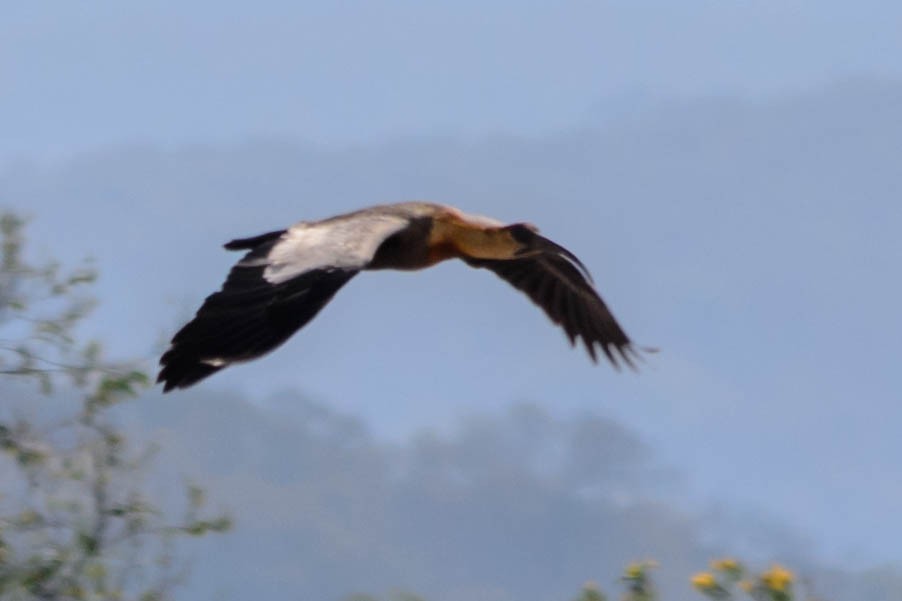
(526,235)
(531,244)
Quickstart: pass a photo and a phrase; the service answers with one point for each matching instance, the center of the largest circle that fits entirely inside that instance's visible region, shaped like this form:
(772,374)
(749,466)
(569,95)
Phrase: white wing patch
(344,243)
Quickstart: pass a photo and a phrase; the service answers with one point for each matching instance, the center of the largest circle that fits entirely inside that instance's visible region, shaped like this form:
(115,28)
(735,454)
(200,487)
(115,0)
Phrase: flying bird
(287,276)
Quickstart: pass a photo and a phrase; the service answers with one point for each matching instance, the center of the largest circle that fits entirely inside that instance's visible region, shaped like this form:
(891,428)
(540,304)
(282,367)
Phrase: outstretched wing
(554,282)
(284,280)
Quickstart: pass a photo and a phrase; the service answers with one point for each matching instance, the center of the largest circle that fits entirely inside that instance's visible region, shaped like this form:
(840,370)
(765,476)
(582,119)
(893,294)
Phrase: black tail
(248,317)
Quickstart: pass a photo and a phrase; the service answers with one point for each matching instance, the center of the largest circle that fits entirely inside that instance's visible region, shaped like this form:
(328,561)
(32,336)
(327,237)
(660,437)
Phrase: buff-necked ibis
(287,276)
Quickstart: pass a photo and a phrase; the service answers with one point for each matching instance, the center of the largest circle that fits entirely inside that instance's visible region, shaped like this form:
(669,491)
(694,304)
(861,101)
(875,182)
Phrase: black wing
(554,283)
(248,317)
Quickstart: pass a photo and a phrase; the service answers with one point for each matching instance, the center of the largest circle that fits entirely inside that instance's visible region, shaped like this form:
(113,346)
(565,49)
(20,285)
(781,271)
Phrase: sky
(727,171)
(92,73)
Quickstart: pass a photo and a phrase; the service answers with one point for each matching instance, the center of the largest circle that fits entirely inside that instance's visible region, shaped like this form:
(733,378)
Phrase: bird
(287,276)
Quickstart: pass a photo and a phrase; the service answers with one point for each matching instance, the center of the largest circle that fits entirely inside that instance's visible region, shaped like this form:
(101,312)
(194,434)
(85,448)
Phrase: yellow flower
(633,571)
(637,569)
(747,585)
(777,578)
(727,564)
(704,581)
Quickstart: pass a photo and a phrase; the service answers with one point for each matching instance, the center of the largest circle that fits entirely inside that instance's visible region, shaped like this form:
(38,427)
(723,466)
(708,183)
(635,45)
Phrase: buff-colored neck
(455,236)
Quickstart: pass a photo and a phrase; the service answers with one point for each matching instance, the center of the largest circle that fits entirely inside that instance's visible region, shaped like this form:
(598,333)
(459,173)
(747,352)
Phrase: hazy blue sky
(729,171)
(76,75)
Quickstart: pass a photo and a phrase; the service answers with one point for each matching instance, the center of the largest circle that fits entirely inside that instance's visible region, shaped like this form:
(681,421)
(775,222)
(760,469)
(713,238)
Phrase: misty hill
(518,505)
(755,242)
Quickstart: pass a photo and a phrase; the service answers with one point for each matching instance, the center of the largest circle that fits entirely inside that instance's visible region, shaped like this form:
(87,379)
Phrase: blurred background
(729,171)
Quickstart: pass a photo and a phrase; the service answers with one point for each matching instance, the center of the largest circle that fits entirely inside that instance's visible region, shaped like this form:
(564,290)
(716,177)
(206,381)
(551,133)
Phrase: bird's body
(287,276)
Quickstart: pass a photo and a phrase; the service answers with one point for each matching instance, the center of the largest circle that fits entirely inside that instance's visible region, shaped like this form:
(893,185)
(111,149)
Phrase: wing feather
(280,284)
(556,282)
(233,326)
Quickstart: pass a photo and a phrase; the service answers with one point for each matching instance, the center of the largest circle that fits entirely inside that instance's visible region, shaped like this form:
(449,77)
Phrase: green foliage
(74,521)
(40,308)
